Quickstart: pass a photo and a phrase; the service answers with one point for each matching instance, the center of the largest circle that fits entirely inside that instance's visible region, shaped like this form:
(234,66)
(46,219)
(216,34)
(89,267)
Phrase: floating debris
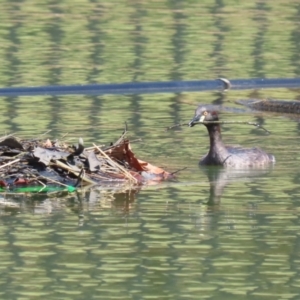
(35,166)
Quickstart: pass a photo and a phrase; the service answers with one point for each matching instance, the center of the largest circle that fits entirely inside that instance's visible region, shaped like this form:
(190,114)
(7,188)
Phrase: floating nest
(36,165)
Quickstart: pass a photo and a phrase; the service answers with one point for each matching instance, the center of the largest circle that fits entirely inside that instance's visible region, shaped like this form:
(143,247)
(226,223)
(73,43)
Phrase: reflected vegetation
(222,29)
(260,18)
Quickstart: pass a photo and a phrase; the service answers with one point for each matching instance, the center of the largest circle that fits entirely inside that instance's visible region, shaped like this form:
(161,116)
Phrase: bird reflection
(219,178)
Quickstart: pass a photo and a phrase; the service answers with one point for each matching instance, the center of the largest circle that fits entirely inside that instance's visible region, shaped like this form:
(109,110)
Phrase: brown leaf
(148,171)
(21,180)
(3,183)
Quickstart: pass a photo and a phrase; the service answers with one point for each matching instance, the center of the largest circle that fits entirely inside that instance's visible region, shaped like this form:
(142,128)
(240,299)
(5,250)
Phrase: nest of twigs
(36,165)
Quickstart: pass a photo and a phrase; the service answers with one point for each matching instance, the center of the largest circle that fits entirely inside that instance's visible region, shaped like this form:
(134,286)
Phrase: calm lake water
(210,235)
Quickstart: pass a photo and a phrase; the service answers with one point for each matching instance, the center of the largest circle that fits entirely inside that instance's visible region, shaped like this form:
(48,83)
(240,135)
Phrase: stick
(234,122)
(10,163)
(222,122)
(121,138)
(54,181)
(65,167)
(44,185)
(129,176)
(182,169)
(48,179)
(92,148)
(176,125)
(6,136)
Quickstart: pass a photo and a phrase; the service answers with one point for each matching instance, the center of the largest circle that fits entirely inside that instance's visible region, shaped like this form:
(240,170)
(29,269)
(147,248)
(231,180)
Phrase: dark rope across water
(153,87)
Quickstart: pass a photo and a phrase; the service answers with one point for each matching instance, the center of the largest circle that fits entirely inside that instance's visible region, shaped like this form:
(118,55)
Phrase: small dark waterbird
(227,156)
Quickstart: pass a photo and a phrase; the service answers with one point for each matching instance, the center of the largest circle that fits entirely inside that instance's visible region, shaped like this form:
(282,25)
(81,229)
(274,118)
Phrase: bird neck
(214,131)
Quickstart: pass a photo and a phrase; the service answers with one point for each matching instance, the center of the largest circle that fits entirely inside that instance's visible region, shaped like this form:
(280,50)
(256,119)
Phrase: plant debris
(221,122)
(48,166)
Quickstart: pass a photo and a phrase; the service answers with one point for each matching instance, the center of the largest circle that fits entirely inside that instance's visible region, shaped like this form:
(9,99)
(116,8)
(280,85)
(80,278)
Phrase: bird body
(227,156)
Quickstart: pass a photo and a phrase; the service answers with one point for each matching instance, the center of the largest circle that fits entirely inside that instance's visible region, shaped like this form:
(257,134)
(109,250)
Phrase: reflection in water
(94,27)
(56,108)
(12,113)
(136,119)
(295,39)
(178,39)
(13,37)
(259,41)
(221,30)
(54,29)
(220,98)
(179,52)
(78,203)
(95,110)
(176,107)
(219,178)
(13,65)
(139,40)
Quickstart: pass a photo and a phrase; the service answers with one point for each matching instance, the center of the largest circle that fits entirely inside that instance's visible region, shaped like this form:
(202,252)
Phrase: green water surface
(210,235)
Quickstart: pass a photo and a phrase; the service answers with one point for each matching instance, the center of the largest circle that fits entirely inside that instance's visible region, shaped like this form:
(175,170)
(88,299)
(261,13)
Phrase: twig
(48,179)
(39,136)
(2,138)
(110,147)
(121,137)
(116,165)
(64,166)
(63,136)
(176,125)
(136,140)
(92,148)
(54,181)
(44,185)
(10,163)
(44,133)
(182,169)
(80,176)
(234,122)
(222,122)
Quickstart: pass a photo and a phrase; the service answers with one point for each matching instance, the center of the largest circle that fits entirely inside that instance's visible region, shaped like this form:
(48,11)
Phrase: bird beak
(198,119)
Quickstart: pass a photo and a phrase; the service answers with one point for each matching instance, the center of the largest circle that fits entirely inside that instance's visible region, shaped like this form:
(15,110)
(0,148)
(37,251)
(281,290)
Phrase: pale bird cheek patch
(202,119)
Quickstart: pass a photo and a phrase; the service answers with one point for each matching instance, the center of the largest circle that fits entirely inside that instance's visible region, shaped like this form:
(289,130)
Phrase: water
(210,235)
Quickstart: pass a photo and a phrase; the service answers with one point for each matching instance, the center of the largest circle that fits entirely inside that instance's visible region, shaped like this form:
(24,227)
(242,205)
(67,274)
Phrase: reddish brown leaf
(21,181)
(153,173)
(3,183)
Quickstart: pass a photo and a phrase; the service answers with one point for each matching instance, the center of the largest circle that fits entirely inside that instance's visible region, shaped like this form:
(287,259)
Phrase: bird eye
(205,113)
